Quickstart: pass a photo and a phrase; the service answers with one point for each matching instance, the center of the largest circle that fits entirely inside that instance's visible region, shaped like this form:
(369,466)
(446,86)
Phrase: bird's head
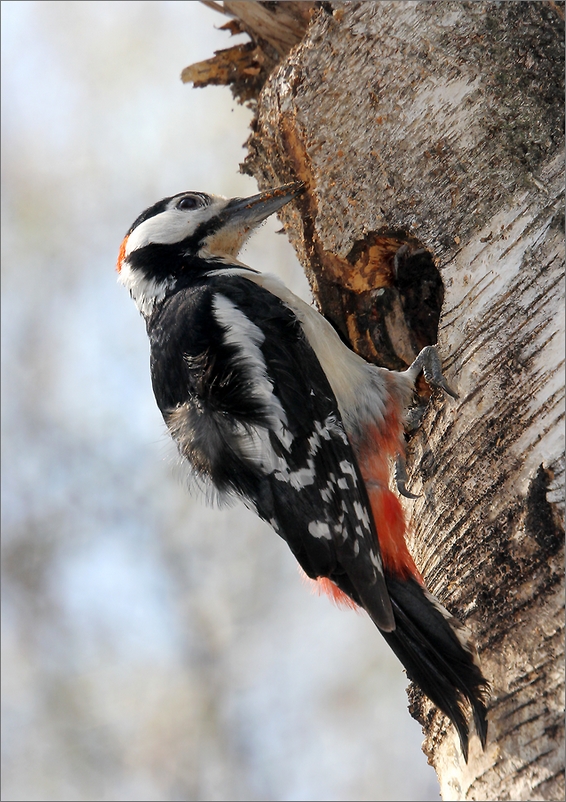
(181,237)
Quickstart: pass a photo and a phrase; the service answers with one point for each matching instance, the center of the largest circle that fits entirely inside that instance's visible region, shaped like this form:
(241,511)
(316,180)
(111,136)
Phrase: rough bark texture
(439,125)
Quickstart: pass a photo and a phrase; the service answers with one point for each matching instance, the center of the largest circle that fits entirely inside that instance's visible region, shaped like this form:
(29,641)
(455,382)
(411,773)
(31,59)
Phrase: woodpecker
(266,403)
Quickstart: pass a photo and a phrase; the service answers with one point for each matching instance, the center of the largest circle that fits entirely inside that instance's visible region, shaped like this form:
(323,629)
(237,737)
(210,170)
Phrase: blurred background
(153,649)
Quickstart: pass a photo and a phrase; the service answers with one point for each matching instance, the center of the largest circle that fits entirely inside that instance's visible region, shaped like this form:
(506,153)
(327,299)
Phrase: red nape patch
(121,254)
(390,525)
(323,585)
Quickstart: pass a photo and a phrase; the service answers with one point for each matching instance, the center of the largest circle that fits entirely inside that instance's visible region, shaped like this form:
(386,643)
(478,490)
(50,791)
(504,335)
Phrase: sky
(153,648)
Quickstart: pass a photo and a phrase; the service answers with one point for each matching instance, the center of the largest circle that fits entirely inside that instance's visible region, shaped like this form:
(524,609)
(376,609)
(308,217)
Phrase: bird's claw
(428,361)
(401,478)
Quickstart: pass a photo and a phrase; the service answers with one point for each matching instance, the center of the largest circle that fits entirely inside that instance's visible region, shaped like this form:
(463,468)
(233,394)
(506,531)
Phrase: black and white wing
(250,407)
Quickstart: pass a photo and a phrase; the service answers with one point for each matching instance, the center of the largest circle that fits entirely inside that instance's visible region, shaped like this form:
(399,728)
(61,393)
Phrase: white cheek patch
(162,229)
(171,226)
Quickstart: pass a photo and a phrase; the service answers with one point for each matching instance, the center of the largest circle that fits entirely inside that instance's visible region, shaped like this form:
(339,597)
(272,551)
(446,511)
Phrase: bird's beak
(240,216)
(249,212)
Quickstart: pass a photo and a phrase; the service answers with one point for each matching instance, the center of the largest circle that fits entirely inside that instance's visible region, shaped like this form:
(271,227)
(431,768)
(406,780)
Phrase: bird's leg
(401,477)
(428,361)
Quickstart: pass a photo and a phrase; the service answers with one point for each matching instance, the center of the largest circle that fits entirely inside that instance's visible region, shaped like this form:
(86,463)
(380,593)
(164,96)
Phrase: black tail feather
(438,656)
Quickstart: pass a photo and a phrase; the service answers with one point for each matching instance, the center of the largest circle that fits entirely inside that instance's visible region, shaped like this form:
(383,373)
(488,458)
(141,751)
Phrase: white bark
(440,124)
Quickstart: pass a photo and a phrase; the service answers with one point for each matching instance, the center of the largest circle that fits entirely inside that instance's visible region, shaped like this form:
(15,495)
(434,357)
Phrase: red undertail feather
(381,443)
(434,647)
(325,586)
(390,525)
(341,599)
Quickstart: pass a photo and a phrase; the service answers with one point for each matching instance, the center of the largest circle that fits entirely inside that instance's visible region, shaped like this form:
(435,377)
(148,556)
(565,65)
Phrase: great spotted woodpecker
(265,402)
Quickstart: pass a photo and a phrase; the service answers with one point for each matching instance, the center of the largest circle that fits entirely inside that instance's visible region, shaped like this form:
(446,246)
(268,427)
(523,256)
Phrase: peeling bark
(439,126)
(274,29)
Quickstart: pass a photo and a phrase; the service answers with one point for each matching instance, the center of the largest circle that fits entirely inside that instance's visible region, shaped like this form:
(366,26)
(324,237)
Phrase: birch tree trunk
(438,125)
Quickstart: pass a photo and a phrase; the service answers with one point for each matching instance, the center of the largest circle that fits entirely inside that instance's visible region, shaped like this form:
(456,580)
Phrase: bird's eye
(189,202)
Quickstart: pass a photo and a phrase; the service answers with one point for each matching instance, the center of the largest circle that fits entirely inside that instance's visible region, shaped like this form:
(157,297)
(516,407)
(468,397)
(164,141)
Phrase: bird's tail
(436,649)
(438,654)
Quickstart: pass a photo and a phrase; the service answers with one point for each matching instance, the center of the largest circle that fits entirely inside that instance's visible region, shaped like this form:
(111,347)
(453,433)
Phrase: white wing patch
(172,225)
(320,529)
(362,514)
(297,479)
(347,467)
(243,333)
